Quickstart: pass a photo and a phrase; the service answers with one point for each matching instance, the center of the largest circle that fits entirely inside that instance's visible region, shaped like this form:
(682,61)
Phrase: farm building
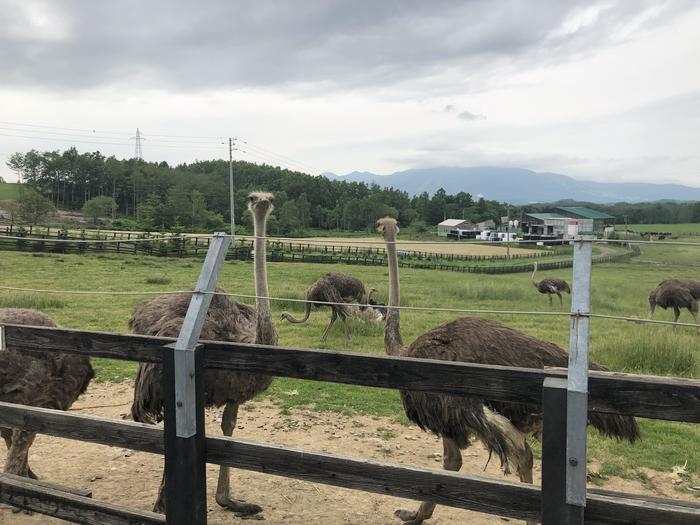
(486,225)
(600,219)
(552,224)
(448,225)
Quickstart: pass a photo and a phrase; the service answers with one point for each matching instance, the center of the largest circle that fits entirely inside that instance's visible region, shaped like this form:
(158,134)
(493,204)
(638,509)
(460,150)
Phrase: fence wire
(632,319)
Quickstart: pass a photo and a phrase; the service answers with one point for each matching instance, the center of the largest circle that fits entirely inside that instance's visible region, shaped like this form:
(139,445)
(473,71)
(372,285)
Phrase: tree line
(195,196)
(156,196)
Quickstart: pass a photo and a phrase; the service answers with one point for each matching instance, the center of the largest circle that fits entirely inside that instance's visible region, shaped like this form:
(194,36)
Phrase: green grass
(619,288)
(677,229)
(9,191)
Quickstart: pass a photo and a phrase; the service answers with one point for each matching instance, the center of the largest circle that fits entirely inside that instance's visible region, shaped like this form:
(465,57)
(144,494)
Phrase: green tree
(16,163)
(97,207)
(32,207)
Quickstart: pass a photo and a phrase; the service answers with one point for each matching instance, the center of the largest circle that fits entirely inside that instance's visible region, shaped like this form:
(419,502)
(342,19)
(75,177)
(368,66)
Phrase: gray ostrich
(227,320)
(676,294)
(334,287)
(500,426)
(550,285)
(41,379)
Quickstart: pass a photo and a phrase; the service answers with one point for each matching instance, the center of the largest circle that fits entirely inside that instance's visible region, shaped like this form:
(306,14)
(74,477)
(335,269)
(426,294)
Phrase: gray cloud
(468,115)
(325,44)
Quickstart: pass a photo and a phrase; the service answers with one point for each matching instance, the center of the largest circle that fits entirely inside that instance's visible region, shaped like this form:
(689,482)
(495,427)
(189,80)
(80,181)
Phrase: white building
(453,224)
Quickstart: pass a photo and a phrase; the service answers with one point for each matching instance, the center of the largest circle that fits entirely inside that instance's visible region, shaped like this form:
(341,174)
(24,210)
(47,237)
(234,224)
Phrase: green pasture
(618,288)
(9,191)
(676,229)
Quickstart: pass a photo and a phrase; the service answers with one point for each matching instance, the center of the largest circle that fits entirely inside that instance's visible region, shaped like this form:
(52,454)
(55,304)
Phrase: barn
(600,220)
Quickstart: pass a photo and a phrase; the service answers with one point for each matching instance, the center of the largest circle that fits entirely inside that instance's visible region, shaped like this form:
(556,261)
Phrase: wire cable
(636,320)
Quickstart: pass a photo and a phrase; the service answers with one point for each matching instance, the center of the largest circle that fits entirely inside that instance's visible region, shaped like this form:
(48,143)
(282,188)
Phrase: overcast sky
(604,90)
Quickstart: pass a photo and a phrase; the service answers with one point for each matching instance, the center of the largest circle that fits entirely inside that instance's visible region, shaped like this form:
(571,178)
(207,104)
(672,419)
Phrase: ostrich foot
(409,517)
(239,507)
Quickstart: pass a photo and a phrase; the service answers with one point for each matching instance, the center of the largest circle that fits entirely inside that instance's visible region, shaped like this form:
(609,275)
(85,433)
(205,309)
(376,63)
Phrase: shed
(448,225)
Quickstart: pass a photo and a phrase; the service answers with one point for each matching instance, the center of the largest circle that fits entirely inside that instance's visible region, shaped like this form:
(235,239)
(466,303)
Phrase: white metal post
(577,384)
(184,347)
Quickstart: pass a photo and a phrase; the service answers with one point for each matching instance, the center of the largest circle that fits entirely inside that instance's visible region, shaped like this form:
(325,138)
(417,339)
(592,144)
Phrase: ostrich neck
(265,333)
(393,344)
(533,276)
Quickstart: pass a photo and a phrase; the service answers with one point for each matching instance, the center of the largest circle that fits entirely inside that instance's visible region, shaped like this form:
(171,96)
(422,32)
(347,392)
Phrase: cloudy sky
(605,90)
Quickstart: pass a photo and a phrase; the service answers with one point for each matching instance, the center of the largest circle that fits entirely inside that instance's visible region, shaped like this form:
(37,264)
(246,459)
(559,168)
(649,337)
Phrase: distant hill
(522,186)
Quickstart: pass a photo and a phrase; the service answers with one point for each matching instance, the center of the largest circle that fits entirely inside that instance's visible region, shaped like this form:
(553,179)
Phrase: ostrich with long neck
(500,426)
(226,320)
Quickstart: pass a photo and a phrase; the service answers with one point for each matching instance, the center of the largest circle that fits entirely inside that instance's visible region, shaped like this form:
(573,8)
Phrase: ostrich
(500,426)
(41,379)
(676,293)
(334,287)
(227,320)
(550,285)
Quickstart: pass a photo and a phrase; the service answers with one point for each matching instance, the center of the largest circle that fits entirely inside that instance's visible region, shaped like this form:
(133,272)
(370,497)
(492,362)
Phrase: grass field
(9,191)
(617,289)
(677,229)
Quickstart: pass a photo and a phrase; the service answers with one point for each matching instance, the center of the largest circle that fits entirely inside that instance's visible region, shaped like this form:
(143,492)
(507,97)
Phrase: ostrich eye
(272,199)
(251,199)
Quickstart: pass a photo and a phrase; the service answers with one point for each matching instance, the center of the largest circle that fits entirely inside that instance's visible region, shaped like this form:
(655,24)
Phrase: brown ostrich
(550,285)
(676,294)
(500,426)
(41,379)
(334,287)
(227,320)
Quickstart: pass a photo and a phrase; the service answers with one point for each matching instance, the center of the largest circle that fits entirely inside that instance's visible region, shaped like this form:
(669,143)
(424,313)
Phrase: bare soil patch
(130,478)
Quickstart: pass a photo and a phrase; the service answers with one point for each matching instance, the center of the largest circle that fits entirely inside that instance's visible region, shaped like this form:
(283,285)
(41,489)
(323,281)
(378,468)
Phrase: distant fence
(192,245)
(278,251)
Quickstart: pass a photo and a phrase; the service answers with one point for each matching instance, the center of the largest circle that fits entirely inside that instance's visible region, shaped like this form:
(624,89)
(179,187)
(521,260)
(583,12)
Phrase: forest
(195,196)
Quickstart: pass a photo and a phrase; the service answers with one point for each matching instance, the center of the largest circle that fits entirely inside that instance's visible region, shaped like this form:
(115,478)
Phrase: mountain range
(521,186)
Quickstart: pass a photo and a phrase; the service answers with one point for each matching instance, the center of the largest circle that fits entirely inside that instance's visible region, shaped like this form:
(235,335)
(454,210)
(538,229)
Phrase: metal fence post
(577,387)
(183,371)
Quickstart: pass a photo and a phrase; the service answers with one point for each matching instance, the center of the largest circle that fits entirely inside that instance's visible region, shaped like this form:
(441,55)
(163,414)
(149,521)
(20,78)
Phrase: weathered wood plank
(93,429)
(458,490)
(646,396)
(27,494)
(491,496)
(85,493)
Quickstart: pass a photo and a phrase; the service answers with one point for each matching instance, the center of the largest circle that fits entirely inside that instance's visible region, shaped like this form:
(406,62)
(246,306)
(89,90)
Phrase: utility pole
(231,146)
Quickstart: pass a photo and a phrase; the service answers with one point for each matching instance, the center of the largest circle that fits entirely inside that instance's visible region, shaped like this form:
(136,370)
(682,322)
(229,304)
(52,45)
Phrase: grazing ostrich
(676,293)
(550,285)
(226,320)
(334,287)
(40,379)
(500,426)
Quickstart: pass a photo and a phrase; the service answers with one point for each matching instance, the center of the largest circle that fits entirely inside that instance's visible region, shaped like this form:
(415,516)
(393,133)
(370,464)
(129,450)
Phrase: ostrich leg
(334,316)
(18,452)
(346,329)
(7,436)
(561,303)
(676,315)
(223,495)
(549,296)
(452,460)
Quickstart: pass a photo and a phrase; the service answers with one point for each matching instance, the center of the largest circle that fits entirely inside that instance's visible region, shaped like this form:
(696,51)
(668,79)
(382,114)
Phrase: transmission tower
(138,151)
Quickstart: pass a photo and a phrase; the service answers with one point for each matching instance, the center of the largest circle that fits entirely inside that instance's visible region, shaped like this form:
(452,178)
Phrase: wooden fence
(652,397)
(179,246)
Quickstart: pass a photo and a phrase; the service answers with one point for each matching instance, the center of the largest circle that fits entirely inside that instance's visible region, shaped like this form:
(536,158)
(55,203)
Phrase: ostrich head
(260,202)
(387,226)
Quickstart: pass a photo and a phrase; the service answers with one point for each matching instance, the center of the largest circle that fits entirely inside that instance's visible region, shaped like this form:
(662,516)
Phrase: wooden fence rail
(663,398)
(499,497)
(666,398)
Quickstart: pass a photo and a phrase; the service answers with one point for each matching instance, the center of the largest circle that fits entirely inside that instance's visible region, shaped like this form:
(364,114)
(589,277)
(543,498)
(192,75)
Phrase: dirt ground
(129,478)
(457,248)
